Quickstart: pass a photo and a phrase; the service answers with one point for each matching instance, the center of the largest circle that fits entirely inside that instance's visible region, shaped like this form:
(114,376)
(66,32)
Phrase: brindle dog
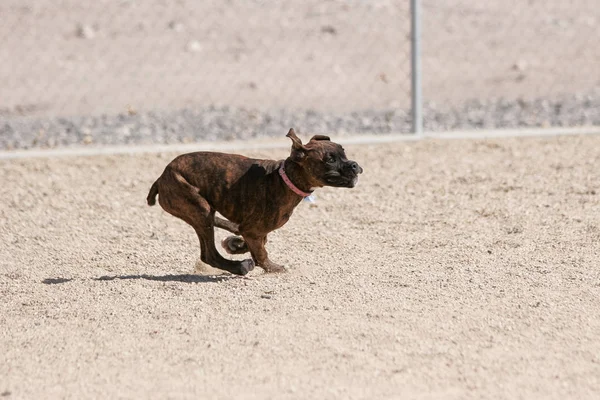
(255,196)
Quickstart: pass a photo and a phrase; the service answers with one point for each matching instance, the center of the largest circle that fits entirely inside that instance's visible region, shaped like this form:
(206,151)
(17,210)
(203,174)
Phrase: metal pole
(415,58)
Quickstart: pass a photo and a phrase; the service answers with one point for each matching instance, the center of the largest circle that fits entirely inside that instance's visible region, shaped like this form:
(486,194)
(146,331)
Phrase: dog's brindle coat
(249,193)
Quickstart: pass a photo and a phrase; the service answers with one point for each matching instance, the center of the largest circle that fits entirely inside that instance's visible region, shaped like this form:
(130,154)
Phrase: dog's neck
(294,177)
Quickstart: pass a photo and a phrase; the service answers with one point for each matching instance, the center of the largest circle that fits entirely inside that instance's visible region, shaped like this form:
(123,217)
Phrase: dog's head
(324,161)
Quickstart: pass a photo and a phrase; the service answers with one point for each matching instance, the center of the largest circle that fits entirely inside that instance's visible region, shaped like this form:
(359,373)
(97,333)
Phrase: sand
(454,270)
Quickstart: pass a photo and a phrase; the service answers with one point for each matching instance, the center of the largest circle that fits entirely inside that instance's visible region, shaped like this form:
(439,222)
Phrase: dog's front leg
(256,244)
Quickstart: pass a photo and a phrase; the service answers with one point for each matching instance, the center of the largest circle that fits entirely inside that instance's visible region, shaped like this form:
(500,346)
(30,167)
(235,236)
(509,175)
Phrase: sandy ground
(108,56)
(456,269)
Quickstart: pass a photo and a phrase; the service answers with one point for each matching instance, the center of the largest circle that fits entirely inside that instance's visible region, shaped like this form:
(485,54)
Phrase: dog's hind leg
(235,245)
(210,255)
(181,199)
(231,244)
(227,225)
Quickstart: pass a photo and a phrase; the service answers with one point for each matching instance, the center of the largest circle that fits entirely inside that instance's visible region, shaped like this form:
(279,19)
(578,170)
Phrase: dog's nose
(355,167)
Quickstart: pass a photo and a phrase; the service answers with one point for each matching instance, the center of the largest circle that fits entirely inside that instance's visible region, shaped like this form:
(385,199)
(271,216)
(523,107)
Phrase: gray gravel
(226,123)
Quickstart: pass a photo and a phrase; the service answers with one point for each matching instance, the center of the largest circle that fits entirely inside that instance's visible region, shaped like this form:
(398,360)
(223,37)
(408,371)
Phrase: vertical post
(415,65)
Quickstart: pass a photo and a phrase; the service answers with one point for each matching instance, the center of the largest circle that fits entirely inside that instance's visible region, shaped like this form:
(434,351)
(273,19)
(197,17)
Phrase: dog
(255,196)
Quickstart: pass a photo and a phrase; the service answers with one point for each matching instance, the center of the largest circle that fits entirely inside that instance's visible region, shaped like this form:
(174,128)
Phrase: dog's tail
(151,199)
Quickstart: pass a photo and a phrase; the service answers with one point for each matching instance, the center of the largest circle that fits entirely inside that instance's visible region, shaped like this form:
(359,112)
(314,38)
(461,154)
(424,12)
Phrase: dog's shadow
(186,278)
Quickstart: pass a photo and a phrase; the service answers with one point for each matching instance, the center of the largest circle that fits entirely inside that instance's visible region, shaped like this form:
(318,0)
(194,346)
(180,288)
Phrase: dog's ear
(320,137)
(296,142)
(298,149)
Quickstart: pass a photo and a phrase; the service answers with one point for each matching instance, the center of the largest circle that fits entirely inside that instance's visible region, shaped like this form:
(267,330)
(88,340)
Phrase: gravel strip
(226,123)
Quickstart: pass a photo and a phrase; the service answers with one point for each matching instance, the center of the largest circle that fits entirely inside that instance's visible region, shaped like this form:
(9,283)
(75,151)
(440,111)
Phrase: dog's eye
(330,160)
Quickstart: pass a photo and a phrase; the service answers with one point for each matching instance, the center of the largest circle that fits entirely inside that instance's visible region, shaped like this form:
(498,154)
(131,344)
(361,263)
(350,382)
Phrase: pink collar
(289,183)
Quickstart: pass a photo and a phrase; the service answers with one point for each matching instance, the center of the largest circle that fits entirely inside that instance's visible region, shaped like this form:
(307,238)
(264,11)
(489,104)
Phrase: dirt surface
(114,56)
(456,269)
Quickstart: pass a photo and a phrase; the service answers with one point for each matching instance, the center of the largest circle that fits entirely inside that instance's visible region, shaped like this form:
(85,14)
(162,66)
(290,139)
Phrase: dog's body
(251,194)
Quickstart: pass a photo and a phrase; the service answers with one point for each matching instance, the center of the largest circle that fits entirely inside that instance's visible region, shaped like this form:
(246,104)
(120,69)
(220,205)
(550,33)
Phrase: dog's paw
(273,268)
(234,245)
(246,266)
